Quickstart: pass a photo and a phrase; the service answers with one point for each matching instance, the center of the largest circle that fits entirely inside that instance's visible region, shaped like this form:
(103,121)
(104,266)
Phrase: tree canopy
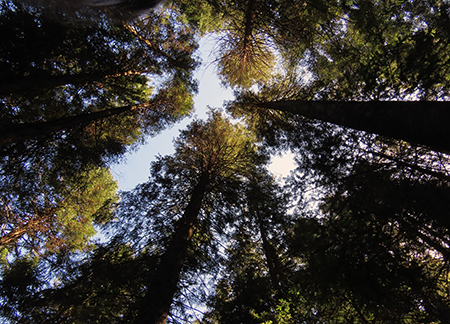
(73,99)
(357,233)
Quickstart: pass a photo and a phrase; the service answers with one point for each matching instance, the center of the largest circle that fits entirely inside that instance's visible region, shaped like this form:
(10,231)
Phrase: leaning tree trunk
(21,132)
(40,83)
(164,283)
(419,122)
(273,263)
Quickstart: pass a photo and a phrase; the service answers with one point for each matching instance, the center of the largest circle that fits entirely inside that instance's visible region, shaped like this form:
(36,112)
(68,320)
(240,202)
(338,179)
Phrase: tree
(167,228)
(101,289)
(23,132)
(417,122)
(61,218)
(389,183)
(244,56)
(207,153)
(108,67)
(253,281)
(356,65)
(253,35)
(370,239)
(74,99)
(377,253)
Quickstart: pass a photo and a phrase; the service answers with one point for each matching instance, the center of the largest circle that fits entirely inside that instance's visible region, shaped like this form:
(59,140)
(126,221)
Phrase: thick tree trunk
(163,285)
(21,132)
(418,122)
(37,84)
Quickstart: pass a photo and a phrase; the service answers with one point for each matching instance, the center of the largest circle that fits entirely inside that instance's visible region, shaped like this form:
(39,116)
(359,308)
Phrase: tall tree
(62,217)
(417,122)
(207,153)
(253,35)
(378,252)
(254,279)
(356,65)
(75,98)
(99,289)
(109,66)
(171,219)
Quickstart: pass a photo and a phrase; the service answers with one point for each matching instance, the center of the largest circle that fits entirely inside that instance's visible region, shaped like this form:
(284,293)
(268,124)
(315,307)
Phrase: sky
(136,165)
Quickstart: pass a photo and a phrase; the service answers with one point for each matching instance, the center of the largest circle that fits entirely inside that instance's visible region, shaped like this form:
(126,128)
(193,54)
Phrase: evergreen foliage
(73,99)
(359,231)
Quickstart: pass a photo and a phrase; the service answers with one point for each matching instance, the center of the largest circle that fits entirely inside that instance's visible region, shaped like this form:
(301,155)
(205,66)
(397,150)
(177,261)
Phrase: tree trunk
(21,132)
(37,84)
(419,122)
(250,17)
(272,259)
(163,285)
(439,175)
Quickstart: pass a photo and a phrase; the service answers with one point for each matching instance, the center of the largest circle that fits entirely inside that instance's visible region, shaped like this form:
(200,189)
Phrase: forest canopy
(356,91)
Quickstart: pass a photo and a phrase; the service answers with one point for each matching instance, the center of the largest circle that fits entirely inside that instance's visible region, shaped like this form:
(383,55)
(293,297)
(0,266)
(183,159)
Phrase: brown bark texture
(250,17)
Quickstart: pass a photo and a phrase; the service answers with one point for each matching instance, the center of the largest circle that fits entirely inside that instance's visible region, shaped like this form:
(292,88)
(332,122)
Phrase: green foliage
(254,277)
(399,52)
(62,217)
(223,151)
(54,186)
(91,195)
(205,16)
(241,64)
(243,295)
(216,151)
(19,282)
(218,147)
(105,289)
(256,37)
(369,238)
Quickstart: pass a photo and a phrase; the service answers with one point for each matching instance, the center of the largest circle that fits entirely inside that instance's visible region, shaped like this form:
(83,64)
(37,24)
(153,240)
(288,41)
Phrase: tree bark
(272,259)
(419,122)
(164,283)
(35,84)
(250,17)
(21,132)
(439,175)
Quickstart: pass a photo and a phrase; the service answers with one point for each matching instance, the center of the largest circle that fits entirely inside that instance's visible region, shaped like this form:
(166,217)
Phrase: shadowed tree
(74,99)
(350,72)
(418,122)
(170,221)
(211,159)
(378,252)
(253,280)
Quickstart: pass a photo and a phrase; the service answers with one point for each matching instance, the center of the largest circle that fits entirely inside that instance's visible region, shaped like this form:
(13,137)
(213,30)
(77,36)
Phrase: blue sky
(135,168)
